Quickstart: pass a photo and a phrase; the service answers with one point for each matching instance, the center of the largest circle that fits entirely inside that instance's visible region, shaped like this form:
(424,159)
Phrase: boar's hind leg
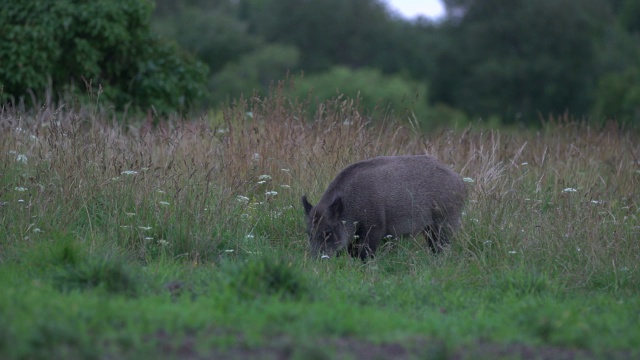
(437,237)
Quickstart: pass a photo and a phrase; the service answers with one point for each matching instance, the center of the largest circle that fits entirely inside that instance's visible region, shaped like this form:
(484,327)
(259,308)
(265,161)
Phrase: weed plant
(186,238)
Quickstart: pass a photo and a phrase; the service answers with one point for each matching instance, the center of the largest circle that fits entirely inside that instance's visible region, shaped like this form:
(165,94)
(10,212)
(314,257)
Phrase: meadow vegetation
(186,239)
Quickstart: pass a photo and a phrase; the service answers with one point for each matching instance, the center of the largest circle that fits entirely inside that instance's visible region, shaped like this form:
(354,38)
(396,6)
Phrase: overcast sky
(413,8)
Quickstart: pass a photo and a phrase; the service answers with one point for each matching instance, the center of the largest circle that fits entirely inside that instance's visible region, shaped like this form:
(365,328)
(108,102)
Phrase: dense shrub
(370,86)
(256,70)
(619,96)
(266,276)
(66,44)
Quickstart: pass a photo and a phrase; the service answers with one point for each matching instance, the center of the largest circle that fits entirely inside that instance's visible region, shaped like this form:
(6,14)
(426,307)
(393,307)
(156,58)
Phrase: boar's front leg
(366,243)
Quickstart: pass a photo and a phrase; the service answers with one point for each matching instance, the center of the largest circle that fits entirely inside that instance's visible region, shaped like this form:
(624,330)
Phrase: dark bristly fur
(387,195)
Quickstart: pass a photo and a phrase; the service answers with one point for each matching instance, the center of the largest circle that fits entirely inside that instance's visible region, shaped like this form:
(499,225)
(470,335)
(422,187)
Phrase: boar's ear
(336,208)
(307,205)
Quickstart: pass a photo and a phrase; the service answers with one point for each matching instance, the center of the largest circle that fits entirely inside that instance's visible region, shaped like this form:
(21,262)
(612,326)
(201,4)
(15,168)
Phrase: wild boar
(387,196)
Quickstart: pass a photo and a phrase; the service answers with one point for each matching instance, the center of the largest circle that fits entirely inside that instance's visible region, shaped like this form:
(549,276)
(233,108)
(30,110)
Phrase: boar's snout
(326,236)
(324,244)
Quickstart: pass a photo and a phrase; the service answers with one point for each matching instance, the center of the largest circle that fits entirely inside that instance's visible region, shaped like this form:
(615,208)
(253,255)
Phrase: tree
(519,58)
(256,70)
(211,31)
(327,32)
(60,44)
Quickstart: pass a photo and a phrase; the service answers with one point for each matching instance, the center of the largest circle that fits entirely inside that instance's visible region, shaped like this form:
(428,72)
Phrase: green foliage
(108,274)
(265,276)
(618,97)
(70,266)
(629,15)
(520,59)
(370,87)
(63,45)
(327,33)
(212,33)
(521,283)
(255,71)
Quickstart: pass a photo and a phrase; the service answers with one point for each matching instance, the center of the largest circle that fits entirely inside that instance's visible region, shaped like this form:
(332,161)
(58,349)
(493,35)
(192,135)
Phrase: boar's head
(327,233)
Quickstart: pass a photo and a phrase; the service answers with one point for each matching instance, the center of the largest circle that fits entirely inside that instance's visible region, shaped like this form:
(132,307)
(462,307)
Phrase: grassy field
(186,240)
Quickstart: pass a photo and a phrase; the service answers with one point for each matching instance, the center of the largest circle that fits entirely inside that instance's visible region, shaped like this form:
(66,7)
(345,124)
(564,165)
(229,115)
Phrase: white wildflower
(20,188)
(524,163)
(264,177)
(163,242)
(229,250)
(37,230)
(164,203)
(21,158)
(597,202)
(285,170)
(242,199)
(271,193)
(468,180)
(261,182)
(20,200)
(130,214)
(146,228)
(161,191)
(569,190)
(285,186)
(324,257)
(256,157)
(249,236)
(513,252)
(148,238)
(249,114)
(129,172)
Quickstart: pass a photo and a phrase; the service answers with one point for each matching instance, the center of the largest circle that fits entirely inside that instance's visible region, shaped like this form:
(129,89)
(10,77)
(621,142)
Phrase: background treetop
(511,61)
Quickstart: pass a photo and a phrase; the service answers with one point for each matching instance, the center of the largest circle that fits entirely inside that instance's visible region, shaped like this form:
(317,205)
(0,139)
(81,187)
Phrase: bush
(373,89)
(254,71)
(58,45)
(267,277)
(618,97)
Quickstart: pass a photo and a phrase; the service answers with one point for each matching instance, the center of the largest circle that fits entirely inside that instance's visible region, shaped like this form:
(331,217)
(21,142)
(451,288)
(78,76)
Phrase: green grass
(94,306)
(193,255)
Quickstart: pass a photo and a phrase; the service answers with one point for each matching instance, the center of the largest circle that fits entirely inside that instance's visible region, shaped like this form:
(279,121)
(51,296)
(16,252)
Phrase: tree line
(505,61)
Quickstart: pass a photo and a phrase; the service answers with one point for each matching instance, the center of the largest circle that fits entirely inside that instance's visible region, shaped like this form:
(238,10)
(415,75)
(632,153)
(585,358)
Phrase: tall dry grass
(563,198)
